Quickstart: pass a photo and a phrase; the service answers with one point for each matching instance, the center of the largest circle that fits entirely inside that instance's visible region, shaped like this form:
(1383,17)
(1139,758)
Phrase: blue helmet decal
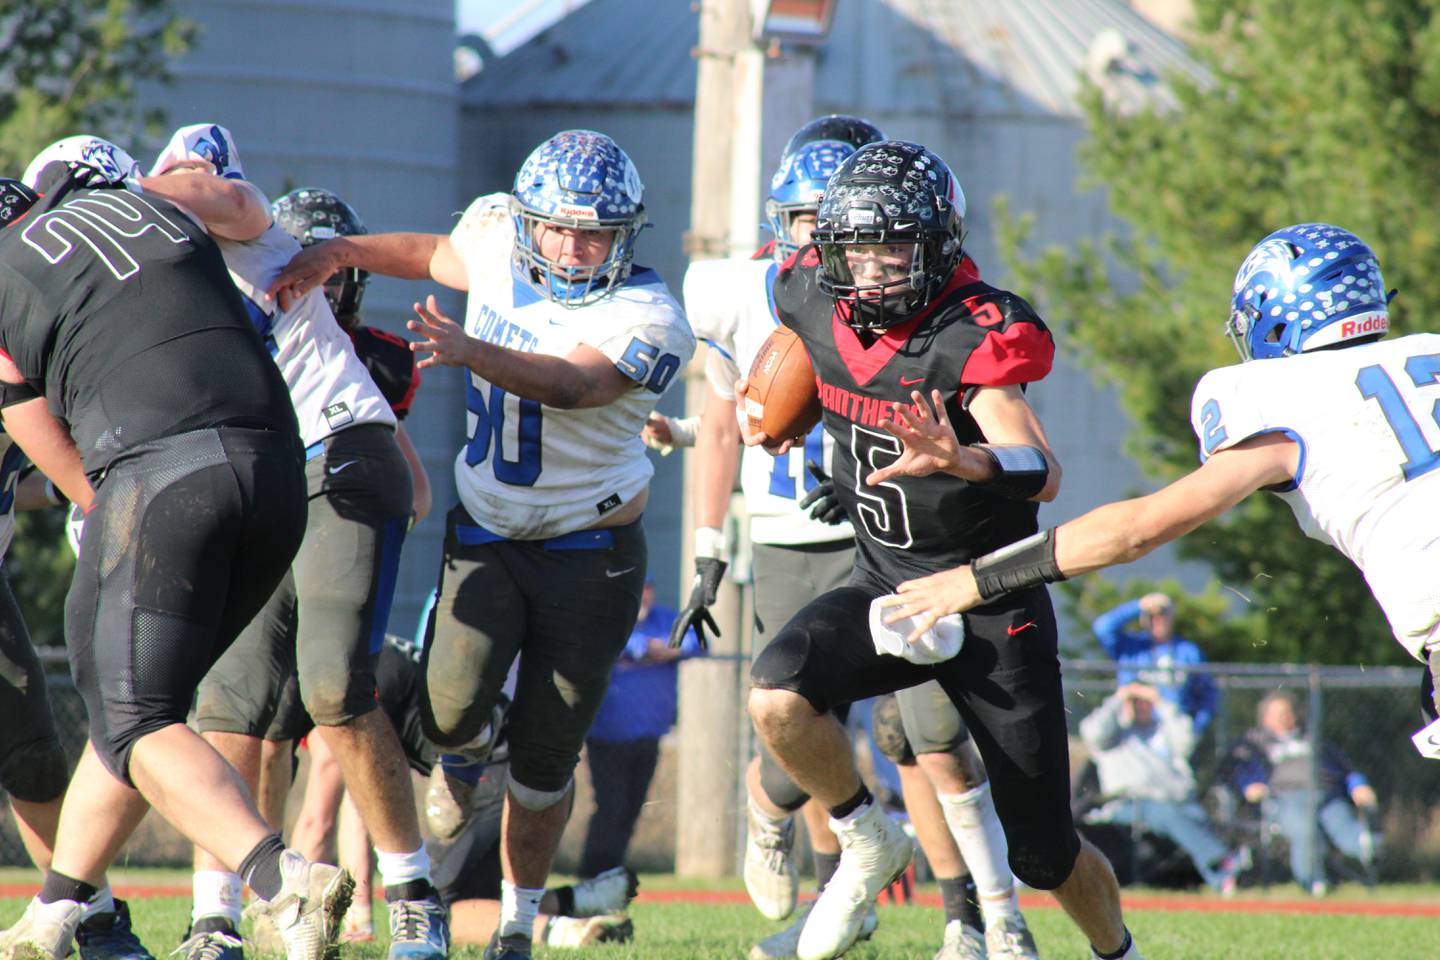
(577,180)
(108,162)
(201,141)
(1304,287)
(797,185)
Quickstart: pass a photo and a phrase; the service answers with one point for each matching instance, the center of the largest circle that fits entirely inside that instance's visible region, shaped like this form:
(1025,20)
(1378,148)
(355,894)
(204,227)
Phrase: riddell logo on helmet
(587,213)
(1371,324)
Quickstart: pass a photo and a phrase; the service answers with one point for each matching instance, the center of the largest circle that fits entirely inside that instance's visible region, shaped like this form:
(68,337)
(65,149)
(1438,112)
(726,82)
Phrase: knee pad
(887,729)
(1042,863)
(779,788)
(780,664)
(532,799)
(35,772)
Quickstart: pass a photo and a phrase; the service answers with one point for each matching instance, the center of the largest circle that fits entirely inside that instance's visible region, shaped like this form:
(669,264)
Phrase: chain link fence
(1367,714)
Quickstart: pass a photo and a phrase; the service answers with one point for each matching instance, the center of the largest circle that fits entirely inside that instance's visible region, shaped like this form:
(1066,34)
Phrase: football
(783,400)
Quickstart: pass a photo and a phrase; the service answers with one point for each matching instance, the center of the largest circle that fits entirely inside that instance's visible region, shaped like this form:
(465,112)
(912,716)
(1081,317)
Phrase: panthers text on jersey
(329,386)
(529,471)
(1367,420)
(729,306)
(972,335)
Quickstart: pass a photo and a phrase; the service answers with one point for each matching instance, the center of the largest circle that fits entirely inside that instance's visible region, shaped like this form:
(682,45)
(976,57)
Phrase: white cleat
(782,945)
(1008,938)
(45,931)
(605,893)
(310,908)
(874,850)
(587,931)
(961,943)
(771,877)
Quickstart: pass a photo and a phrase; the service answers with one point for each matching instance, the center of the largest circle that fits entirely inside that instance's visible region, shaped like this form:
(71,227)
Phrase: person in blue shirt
(623,745)
(1156,656)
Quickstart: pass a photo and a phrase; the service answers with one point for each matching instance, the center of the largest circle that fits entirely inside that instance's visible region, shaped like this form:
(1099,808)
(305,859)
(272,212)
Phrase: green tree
(1309,112)
(66,67)
(71,66)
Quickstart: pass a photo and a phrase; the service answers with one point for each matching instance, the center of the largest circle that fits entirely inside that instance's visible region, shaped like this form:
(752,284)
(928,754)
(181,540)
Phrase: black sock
(261,867)
(825,864)
(60,887)
(862,796)
(564,900)
(217,924)
(411,890)
(1124,945)
(961,901)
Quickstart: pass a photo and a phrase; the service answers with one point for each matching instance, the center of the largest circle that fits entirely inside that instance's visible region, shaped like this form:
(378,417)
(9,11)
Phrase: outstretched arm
(409,256)
(233,209)
(585,377)
(1115,533)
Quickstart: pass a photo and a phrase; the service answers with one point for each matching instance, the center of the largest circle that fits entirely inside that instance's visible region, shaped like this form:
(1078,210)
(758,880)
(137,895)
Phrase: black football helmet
(837,126)
(312,214)
(895,193)
(16,199)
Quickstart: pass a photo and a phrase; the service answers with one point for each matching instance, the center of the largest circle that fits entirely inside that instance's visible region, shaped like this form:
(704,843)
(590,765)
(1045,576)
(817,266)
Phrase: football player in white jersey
(1347,437)
(328,617)
(796,557)
(568,346)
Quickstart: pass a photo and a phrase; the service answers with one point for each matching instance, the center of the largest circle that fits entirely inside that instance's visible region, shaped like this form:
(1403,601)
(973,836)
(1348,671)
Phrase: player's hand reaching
(822,502)
(307,270)
(709,572)
(930,444)
(928,599)
(445,340)
(757,437)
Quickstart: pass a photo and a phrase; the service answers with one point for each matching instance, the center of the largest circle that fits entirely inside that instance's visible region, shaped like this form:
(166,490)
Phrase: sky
(478,16)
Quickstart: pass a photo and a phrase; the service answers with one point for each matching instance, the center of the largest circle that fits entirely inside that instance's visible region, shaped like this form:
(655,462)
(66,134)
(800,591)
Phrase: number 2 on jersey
(1375,384)
(525,468)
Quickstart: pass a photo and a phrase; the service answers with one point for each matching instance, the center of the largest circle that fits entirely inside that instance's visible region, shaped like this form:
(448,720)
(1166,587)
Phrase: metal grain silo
(357,96)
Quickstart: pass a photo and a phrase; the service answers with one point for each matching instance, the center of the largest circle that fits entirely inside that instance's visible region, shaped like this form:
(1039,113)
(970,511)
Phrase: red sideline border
(1031,901)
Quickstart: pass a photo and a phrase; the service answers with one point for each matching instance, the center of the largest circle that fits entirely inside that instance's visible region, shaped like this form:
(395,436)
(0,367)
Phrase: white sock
(976,828)
(398,868)
(103,902)
(518,908)
(217,893)
(765,815)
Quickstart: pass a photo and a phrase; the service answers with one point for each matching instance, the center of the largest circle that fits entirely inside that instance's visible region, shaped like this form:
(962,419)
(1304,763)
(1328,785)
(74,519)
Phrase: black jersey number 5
(882,508)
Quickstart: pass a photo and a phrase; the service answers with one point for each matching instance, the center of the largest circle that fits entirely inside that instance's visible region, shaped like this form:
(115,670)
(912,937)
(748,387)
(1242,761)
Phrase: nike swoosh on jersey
(1012,629)
(339,466)
(612,574)
(910,383)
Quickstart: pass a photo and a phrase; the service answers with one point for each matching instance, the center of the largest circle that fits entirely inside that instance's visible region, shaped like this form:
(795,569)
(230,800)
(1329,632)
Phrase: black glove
(823,502)
(708,574)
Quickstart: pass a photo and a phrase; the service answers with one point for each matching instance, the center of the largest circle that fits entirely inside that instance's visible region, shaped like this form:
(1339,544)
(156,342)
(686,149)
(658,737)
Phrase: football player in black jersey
(116,312)
(908,341)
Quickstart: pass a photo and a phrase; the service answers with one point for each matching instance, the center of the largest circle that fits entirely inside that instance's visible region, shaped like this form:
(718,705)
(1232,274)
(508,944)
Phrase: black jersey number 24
(882,508)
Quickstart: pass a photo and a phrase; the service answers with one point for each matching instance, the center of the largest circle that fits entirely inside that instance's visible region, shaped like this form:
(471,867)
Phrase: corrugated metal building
(357,96)
(990,86)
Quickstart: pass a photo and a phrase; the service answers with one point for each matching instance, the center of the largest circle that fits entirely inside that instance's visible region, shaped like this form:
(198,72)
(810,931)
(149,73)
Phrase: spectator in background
(624,741)
(1156,656)
(1141,743)
(1271,766)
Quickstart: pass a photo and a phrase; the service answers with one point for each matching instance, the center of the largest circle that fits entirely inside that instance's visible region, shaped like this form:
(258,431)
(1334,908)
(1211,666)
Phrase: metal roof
(1018,58)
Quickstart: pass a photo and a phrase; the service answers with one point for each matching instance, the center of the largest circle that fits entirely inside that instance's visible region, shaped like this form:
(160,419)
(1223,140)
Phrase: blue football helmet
(1308,286)
(578,179)
(811,158)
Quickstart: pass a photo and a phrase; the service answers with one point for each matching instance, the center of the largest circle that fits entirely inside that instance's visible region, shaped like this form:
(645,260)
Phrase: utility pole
(751,95)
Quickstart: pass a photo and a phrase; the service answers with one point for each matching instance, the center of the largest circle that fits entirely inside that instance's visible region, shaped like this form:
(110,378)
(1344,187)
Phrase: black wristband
(1025,563)
(1021,470)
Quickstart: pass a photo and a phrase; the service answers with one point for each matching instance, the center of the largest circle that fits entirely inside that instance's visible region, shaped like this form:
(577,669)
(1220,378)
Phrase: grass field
(1205,929)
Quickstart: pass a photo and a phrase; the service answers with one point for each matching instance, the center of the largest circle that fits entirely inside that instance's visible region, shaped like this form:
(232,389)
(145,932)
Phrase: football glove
(823,502)
(708,574)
